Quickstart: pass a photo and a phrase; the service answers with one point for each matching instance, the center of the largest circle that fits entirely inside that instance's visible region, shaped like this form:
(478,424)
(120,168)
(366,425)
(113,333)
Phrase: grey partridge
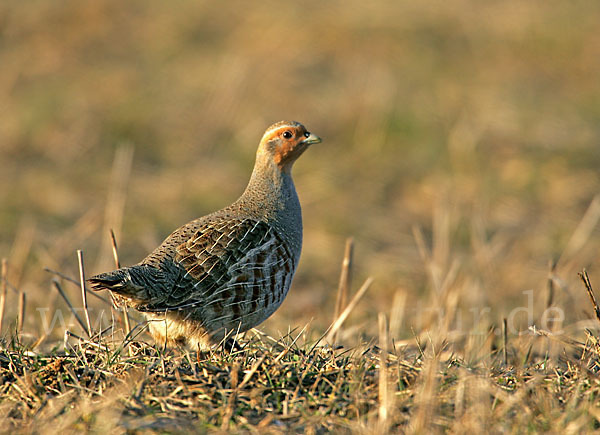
(230,270)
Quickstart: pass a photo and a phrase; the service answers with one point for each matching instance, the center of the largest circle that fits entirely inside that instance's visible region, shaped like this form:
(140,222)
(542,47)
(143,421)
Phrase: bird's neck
(271,196)
(271,189)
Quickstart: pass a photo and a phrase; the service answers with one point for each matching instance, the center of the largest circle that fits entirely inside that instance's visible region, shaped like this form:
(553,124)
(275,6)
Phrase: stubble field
(460,153)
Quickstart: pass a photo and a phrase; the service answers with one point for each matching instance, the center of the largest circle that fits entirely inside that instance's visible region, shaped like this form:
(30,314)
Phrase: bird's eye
(307,134)
(287,134)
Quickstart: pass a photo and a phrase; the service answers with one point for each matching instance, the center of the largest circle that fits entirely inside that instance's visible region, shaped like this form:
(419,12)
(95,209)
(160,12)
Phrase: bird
(228,271)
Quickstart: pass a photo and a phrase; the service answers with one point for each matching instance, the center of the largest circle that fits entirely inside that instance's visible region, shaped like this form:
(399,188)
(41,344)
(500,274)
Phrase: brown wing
(227,264)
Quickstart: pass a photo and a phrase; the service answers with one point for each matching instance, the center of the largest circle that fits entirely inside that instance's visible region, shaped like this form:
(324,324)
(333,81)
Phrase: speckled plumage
(230,270)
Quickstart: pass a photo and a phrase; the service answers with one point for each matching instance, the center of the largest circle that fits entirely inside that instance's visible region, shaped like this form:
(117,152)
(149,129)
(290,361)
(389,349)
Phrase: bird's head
(284,142)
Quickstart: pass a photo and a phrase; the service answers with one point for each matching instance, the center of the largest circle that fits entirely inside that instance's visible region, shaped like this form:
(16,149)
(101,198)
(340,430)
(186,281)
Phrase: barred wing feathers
(227,271)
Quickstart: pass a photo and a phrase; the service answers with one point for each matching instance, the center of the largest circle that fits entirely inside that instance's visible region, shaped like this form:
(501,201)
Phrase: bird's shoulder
(225,240)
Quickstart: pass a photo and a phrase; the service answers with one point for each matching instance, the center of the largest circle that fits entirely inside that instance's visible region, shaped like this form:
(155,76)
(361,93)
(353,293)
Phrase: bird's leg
(232,345)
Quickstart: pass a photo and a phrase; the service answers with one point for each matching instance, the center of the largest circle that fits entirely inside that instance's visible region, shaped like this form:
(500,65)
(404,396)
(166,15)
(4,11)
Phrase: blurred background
(460,146)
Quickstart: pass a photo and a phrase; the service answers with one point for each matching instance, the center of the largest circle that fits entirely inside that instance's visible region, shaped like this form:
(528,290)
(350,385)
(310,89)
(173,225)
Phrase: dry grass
(441,380)
(294,383)
(460,153)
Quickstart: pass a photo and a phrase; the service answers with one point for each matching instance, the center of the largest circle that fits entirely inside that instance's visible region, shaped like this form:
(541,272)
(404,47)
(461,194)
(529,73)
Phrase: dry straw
(21,311)
(590,291)
(337,324)
(345,281)
(84,293)
(3,290)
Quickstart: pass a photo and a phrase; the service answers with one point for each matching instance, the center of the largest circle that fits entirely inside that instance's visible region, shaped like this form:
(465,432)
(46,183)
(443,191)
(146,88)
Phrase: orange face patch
(285,152)
(287,149)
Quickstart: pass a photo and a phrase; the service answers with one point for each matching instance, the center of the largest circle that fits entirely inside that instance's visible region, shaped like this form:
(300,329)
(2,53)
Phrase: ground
(460,152)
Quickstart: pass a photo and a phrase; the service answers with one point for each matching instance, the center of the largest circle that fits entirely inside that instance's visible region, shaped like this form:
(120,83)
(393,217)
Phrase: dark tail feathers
(118,281)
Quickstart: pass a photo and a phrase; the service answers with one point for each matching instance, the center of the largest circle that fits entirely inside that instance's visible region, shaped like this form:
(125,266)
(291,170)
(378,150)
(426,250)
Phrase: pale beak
(311,139)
